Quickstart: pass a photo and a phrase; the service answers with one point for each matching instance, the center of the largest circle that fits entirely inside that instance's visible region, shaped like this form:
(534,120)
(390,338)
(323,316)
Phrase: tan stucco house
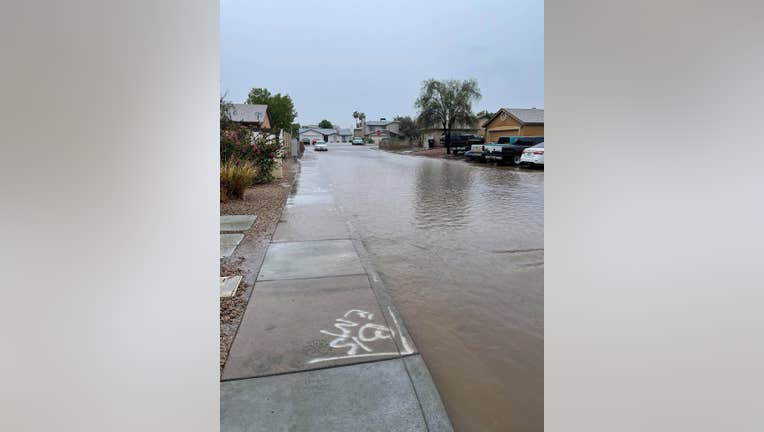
(514,122)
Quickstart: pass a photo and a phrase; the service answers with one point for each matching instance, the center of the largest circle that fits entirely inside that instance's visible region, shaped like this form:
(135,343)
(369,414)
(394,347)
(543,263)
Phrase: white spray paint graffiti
(356,332)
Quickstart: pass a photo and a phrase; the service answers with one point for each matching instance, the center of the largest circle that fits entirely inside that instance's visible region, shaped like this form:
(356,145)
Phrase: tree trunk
(447,134)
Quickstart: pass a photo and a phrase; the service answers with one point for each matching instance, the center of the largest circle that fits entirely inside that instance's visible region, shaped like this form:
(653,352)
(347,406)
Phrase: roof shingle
(527,115)
(322,131)
(380,123)
(248,113)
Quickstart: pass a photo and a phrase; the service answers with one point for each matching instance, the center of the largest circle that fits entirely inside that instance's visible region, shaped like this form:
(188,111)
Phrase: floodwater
(460,247)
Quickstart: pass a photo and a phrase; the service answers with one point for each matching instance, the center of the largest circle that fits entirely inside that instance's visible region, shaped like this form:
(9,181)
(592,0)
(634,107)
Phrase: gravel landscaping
(267,202)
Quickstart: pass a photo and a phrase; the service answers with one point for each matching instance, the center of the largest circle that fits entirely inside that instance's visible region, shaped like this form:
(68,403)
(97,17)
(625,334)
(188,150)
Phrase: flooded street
(460,247)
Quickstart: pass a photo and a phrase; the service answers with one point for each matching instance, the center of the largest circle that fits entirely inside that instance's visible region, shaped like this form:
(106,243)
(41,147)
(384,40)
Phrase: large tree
(407,127)
(280,107)
(360,117)
(484,113)
(446,103)
(325,124)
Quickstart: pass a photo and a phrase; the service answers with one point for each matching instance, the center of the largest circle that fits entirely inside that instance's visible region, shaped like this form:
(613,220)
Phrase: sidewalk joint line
(308,241)
(311,277)
(323,359)
(319,368)
(314,240)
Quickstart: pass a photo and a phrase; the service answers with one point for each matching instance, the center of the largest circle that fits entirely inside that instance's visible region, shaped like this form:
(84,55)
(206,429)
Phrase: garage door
(494,135)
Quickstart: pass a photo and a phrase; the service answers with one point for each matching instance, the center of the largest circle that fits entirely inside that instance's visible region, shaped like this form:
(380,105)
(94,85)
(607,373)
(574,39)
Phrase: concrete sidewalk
(321,346)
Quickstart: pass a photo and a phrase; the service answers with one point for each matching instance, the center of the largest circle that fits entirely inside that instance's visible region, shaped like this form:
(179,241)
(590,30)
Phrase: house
(480,122)
(346,135)
(325,135)
(313,132)
(253,116)
(380,129)
(431,135)
(514,122)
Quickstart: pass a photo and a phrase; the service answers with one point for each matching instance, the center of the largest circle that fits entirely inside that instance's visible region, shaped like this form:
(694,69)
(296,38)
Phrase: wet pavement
(459,247)
(321,345)
(364,397)
(236,223)
(228,243)
(286,322)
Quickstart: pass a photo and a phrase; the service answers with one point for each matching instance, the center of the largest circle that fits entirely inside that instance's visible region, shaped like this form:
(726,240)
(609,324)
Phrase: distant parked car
(475,153)
(533,155)
(357,141)
(510,149)
(321,147)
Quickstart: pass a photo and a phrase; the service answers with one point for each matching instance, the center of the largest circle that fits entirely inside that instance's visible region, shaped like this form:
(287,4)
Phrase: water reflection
(441,195)
(460,247)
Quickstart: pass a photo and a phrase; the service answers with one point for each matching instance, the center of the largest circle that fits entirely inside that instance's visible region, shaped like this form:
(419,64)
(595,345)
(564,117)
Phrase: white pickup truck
(475,153)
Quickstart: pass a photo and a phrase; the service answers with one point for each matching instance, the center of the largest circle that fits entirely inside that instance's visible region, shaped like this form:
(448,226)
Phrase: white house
(323,135)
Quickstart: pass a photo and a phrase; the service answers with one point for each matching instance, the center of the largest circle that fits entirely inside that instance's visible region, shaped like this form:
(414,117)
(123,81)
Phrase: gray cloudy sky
(336,56)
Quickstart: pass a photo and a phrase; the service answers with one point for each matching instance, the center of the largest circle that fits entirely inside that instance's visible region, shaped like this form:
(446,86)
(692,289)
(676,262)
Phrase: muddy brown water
(460,247)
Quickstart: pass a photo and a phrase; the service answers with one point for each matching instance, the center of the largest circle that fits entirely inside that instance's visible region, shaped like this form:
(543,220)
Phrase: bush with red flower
(266,149)
(238,144)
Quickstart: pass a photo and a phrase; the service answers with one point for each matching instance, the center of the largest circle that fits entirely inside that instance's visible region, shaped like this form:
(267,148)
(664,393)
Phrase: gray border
(653,222)
(110,221)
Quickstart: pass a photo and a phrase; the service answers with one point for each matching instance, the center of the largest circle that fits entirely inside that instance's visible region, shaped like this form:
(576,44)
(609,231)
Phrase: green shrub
(235,177)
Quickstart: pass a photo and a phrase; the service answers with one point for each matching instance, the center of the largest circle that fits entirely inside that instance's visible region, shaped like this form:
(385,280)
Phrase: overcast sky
(336,56)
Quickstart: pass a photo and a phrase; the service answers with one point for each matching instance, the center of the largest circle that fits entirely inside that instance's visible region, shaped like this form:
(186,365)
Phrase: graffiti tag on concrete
(354,333)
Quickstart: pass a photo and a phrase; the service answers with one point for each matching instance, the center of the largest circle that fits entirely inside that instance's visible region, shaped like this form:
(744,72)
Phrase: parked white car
(321,147)
(357,141)
(533,155)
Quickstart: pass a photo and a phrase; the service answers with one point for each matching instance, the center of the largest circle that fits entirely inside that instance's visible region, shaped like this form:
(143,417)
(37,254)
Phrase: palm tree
(446,103)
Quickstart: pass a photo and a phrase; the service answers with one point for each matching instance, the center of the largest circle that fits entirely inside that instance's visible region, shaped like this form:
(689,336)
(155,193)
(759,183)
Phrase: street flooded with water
(460,247)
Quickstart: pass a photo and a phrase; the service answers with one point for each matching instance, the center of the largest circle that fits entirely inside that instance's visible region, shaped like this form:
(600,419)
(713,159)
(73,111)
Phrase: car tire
(516,160)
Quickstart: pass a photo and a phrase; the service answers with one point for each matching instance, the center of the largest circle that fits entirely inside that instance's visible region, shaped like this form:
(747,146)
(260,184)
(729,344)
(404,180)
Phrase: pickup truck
(476,153)
(461,141)
(510,149)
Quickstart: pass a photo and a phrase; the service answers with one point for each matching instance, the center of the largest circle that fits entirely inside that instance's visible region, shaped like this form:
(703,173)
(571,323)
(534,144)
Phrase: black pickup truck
(461,142)
(510,149)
